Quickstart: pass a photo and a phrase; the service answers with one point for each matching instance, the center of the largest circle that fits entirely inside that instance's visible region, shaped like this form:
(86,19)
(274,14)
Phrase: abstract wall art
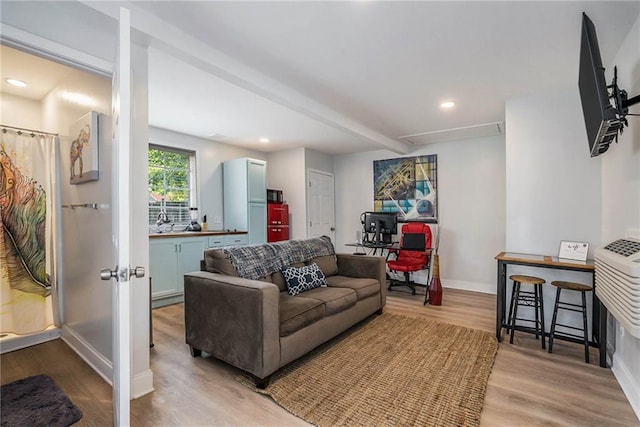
(407,186)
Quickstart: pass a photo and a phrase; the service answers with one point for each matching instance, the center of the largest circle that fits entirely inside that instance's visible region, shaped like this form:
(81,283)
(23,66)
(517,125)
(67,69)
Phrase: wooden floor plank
(527,387)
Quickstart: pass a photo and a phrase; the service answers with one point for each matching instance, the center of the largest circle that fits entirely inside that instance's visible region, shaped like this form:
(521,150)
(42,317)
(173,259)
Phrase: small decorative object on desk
(573,250)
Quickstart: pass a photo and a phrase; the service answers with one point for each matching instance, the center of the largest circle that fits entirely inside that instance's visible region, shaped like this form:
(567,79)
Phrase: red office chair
(414,253)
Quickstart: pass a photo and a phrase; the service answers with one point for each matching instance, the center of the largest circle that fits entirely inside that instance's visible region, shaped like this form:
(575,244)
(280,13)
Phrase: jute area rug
(36,401)
(391,371)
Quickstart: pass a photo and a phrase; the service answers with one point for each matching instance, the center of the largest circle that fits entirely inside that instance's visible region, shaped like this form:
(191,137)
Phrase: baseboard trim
(17,342)
(96,360)
(420,278)
(142,384)
(485,288)
(628,383)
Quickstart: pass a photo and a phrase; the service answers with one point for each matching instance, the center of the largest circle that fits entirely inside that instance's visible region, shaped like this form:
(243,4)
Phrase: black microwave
(274,196)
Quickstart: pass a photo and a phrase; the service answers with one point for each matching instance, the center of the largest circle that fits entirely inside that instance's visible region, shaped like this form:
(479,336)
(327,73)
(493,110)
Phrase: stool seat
(571,285)
(579,308)
(527,279)
(533,299)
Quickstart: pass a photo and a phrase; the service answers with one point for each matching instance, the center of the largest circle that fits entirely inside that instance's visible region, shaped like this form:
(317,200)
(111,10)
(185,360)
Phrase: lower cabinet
(236,240)
(169,260)
(171,257)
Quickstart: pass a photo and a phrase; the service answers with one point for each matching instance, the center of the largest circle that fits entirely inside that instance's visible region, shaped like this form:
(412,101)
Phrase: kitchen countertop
(193,233)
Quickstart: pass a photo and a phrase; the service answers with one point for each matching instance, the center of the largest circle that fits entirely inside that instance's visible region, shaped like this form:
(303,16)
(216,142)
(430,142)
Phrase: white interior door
(320,205)
(121,128)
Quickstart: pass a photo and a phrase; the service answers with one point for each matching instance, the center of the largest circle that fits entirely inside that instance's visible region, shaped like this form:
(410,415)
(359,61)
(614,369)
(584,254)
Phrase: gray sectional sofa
(238,308)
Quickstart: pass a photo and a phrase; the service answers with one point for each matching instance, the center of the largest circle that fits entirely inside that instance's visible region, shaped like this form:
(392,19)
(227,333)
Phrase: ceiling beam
(170,39)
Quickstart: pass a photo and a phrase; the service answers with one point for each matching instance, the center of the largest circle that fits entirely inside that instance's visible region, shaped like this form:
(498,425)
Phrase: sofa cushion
(296,312)
(217,261)
(328,264)
(364,287)
(303,279)
(278,278)
(335,299)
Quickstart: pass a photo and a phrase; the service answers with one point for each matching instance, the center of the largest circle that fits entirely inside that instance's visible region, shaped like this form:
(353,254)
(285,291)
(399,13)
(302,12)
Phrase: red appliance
(277,222)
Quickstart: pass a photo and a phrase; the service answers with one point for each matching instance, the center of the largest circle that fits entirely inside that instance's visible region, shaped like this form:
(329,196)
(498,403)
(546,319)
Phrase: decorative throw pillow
(303,278)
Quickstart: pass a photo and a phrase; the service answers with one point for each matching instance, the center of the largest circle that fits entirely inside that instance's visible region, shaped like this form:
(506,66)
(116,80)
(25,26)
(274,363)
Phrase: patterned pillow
(303,278)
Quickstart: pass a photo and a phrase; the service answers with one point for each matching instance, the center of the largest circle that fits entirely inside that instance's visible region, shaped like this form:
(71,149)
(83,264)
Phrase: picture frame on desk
(576,251)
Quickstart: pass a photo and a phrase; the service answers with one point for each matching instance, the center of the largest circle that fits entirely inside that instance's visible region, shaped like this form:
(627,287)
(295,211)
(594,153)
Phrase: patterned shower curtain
(28,232)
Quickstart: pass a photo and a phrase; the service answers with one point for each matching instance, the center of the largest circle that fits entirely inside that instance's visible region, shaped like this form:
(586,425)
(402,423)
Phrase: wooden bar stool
(530,299)
(560,305)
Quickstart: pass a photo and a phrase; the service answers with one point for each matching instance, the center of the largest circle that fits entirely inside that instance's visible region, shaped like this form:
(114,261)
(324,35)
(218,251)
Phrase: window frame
(191,182)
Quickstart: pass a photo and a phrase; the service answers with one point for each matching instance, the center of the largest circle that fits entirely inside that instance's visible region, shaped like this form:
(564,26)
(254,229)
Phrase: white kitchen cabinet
(216,241)
(236,240)
(169,260)
(223,240)
(245,197)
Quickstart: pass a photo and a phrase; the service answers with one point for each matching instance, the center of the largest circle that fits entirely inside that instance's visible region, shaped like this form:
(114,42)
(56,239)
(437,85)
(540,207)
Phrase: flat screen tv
(600,116)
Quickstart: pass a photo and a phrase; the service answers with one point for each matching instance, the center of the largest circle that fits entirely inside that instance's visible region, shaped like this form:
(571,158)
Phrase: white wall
(553,186)
(286,172)
(318,161)
(86,233)
(621,202)
(20,112)
(471,198)
(209,158)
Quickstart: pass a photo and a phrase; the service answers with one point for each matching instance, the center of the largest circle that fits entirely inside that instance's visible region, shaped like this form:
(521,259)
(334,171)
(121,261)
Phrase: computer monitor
(383,225)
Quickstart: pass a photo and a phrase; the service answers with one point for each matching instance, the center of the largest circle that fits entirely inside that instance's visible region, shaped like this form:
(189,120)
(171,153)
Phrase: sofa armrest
(233,319)
(373,267)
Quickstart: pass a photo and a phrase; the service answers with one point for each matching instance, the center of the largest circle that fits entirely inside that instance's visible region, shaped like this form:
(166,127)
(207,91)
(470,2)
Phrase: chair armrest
(233,319)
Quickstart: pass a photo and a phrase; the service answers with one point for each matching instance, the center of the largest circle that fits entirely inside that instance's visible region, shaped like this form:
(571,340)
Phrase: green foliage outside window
(170,175)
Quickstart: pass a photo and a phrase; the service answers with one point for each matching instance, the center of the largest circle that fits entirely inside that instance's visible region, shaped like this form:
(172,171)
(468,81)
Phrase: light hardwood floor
(527,387)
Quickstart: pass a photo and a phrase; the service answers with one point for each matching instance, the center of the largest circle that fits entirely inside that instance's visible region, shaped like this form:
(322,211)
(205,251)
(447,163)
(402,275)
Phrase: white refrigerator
(245,197)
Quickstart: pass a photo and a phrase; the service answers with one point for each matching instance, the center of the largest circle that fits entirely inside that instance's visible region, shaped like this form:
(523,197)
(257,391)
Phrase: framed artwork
(576,251)
(408,187)
(83,151)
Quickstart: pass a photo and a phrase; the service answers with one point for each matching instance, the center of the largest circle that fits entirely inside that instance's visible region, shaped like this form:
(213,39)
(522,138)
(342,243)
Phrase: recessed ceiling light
(15,82)
(447,104)
(264,139)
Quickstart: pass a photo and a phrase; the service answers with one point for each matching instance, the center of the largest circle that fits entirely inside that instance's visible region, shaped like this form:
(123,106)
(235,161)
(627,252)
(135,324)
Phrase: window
(172,183)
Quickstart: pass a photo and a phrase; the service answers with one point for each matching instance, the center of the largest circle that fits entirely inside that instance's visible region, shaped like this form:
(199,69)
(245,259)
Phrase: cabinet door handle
(175,247)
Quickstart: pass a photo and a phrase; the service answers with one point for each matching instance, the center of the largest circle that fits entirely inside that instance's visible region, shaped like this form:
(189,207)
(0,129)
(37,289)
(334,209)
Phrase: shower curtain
(28,232)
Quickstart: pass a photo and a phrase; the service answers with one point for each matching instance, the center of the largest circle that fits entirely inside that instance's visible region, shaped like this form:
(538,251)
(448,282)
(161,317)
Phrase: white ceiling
(384,65)
(354,76)
(41,74)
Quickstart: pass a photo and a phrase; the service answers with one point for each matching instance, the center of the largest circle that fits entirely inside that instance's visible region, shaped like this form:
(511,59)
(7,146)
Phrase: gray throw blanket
(257,261)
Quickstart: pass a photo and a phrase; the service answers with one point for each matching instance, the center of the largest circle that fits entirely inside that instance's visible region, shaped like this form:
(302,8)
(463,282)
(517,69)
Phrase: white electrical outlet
(217,220)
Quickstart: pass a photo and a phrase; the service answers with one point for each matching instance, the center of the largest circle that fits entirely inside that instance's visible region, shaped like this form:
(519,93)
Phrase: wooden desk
(599,313)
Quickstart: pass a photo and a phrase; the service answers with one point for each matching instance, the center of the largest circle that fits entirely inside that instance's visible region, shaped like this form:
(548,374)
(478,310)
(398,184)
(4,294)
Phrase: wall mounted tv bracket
(622,102)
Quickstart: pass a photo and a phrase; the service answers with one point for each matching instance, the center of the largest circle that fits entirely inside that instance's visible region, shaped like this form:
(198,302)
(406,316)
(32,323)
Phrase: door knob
(108,274)
(137,272)
(332,229)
